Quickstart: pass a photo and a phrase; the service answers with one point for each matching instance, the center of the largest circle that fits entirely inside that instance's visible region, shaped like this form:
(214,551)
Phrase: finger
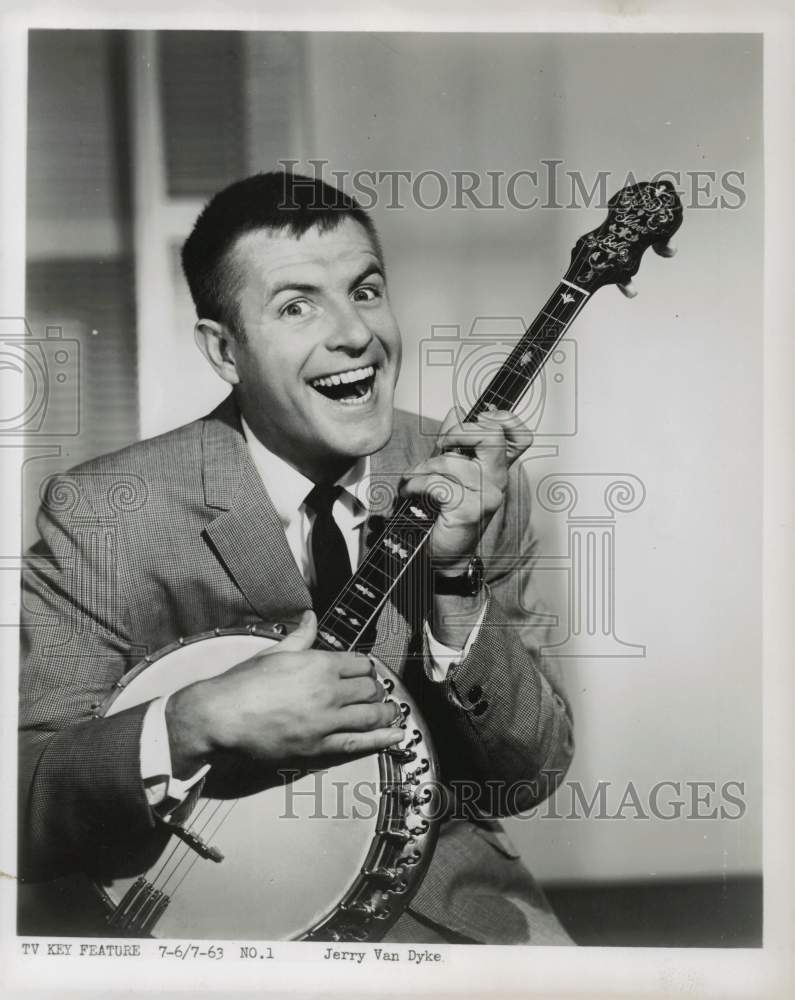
(363,718)
(447,494)
(301,638)
(457,434)
(454,417)
(489,447)
(354,665)
(358,743)
(476,437)
(503,429)
(460,470)
(353,690)
(517,435)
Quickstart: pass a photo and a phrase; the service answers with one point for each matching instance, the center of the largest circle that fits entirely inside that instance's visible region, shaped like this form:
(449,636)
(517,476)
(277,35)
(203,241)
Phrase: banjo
(269,863)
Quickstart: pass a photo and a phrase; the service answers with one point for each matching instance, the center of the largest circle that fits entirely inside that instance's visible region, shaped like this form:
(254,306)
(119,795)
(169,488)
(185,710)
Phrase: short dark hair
(275,200)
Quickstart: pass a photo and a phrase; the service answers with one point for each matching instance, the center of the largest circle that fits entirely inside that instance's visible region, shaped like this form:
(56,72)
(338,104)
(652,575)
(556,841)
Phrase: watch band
(466,584)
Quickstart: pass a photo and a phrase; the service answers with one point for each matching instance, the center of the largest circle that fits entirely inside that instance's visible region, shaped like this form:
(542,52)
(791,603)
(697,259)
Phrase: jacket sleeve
(82,805)
(503,725)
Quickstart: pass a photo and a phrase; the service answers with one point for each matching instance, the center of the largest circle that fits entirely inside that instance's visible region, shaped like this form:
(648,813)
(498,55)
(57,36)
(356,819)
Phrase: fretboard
(408,528)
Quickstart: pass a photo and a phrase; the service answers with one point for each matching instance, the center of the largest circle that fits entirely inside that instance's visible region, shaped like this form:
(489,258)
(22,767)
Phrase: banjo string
(196,856)
(506,379)
(186,850)
(177,844)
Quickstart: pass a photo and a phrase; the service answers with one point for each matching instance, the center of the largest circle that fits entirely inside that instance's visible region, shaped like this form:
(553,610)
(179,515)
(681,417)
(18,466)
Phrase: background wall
(668,386)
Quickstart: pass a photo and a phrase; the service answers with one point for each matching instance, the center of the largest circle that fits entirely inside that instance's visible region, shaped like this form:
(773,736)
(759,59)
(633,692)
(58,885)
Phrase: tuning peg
(663,249)
(628,289)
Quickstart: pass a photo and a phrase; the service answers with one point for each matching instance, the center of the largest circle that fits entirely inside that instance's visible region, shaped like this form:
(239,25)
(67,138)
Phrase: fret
(343,627)
(357,604)
(400,544)
(554,319)
(372,579)
(350,618)
(373,568)
(420,515)
(327,640)
(530,353)
(414,514)
(340,624)
(491,400)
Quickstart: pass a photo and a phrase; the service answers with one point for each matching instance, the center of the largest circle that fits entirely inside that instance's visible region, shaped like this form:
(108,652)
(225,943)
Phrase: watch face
(475,575)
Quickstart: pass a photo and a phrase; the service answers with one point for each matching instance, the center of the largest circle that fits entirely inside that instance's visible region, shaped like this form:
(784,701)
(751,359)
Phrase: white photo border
(505,971)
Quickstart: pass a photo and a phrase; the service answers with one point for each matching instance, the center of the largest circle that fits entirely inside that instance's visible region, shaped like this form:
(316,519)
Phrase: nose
(350,332)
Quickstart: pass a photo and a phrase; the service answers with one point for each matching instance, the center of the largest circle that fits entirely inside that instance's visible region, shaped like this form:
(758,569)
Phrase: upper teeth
(354,375)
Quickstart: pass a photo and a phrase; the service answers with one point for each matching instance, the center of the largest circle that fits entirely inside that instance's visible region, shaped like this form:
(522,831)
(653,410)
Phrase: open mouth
(352,388)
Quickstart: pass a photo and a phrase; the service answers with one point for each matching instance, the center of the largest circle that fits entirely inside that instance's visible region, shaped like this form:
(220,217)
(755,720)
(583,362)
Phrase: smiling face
(316,367)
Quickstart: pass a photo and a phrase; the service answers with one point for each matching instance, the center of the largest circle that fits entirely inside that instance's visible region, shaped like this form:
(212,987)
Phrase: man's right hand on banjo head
(288,702)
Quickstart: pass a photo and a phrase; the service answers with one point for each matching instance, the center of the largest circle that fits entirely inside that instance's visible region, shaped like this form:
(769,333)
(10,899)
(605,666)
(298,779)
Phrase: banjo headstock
(638,217)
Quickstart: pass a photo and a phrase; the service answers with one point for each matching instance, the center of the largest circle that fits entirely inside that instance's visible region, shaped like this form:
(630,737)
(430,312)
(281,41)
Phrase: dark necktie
(329,551)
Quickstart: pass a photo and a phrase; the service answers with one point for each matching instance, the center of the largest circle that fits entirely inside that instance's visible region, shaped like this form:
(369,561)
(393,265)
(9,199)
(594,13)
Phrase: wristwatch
(467,584)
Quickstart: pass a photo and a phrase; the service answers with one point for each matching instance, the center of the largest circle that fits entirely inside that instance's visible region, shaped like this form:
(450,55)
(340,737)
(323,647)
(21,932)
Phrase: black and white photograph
(393,497)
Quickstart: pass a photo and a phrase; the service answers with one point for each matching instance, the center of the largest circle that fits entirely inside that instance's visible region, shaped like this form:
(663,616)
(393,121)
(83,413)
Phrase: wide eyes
(365,293)
(296,309)
(301,308)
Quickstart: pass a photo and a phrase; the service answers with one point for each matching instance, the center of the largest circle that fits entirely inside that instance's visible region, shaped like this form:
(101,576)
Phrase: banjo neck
(639,216)
(409,527)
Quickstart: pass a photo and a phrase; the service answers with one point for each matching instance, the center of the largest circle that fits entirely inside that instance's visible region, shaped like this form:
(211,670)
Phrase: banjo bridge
(195,842)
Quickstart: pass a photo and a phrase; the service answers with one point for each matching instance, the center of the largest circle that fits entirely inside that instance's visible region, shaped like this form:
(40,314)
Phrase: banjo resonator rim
(398,856)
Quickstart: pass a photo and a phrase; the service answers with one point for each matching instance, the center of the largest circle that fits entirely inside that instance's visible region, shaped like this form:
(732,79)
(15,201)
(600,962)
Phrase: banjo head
(334,854)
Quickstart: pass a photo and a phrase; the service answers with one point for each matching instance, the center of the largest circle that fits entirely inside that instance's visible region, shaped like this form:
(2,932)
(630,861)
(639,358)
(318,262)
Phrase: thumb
(302,637)
(454,418)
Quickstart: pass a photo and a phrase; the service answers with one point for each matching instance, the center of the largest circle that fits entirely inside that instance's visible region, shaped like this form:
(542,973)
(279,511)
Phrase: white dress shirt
(288,489)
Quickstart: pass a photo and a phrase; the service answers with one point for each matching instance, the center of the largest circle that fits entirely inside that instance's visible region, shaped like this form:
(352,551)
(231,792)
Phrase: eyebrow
(296,286)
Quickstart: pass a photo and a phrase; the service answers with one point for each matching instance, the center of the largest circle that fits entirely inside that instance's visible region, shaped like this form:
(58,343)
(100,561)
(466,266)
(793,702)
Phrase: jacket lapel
(247,535)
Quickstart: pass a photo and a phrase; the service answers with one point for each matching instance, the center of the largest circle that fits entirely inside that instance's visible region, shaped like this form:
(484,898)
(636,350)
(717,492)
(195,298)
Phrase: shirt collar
(288,488)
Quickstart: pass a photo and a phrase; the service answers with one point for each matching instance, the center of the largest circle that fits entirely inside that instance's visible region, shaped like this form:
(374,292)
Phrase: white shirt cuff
(160,786)
(442,657)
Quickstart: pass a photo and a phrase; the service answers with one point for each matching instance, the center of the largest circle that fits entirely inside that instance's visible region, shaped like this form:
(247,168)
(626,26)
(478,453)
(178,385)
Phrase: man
(224,522)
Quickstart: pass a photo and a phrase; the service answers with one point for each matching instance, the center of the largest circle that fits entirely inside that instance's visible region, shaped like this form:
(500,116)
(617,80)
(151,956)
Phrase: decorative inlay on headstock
(638,217)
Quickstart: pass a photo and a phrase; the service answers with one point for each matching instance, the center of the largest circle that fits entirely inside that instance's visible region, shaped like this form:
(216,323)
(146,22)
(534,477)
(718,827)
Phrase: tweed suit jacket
(177,535)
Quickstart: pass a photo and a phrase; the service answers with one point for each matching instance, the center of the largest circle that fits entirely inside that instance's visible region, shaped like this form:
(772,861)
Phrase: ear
(219,347)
